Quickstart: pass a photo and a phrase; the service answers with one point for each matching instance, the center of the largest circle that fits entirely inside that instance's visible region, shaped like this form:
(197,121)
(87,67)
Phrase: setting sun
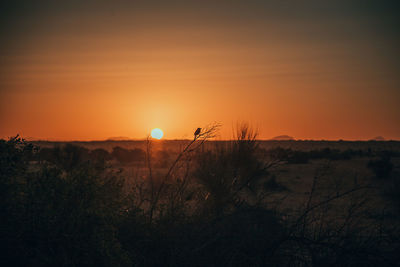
(157,133)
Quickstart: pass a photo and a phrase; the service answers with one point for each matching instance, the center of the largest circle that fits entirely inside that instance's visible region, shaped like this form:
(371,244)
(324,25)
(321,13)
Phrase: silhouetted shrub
(99,157)
(298,157)
(272,185)
(100,154)
(391,189)
(394,191)
(210,209)
(67,157)
(302,157)
(57,216)
(382,167)
(278,154)
(128,155)
(46,153)
(231,169)
(246,237)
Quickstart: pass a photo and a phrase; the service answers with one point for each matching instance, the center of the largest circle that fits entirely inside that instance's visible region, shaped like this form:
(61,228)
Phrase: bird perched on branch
(197,132)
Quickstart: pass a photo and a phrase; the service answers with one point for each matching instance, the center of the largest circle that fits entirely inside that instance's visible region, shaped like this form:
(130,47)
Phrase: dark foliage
(381,167)
(54,217)
(128,155)
(301,157)
(67,157)
(64,207)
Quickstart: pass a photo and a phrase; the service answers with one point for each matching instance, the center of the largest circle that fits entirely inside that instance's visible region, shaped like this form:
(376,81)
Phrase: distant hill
(283,138)
(378,138)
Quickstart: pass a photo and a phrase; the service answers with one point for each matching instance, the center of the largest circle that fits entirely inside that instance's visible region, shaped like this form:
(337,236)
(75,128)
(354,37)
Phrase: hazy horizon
(118,139)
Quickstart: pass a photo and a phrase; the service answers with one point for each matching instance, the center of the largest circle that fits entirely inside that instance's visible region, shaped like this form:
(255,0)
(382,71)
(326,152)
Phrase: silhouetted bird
(197,132)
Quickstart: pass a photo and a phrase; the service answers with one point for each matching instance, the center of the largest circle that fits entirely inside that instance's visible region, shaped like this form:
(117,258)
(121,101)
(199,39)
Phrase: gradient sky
(82,70)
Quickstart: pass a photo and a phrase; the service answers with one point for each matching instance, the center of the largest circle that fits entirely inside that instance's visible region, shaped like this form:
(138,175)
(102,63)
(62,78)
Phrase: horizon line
(222,140)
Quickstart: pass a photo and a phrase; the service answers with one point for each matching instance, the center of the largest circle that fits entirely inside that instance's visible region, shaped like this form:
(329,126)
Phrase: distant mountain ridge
(282,138)
(378,138)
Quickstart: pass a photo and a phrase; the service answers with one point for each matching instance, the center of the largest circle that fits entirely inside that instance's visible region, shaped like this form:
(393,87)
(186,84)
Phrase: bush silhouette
(66,157)
(59,215)
(382,167)
(230,169)
(64,207)
(125,156)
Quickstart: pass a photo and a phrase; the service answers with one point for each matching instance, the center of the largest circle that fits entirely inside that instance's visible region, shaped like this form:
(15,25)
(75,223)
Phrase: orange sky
(73,71)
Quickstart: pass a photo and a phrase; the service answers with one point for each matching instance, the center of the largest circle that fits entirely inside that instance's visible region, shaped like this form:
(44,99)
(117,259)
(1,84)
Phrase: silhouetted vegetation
(214,205)
(63,214)
(381,167)
(301,157)
(127,155)
(70,155)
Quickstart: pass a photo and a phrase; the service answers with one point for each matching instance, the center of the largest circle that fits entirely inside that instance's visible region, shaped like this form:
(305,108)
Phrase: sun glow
(157,133)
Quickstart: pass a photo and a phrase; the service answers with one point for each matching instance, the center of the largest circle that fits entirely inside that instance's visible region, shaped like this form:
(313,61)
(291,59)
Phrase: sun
(157,133)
